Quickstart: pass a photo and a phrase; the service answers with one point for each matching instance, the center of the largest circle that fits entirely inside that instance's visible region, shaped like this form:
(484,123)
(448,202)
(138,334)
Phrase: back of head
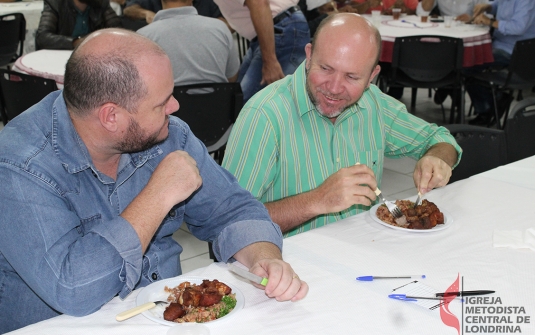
(346,27)
(105,68)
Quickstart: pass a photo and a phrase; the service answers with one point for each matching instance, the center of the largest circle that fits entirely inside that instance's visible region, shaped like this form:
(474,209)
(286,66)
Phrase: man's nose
(336,84)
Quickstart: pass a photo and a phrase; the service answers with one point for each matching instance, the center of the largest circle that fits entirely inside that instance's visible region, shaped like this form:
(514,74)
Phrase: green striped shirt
(281,145)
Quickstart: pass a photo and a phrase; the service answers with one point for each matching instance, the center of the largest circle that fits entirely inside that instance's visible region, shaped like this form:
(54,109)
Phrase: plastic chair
(210,111)
(483,149)
(520,74)
(520,130)
(12,34)
(428,61)
(18,92)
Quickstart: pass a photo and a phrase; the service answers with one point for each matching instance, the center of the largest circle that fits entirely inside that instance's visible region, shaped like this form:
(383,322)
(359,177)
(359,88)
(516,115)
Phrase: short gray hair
(91,81)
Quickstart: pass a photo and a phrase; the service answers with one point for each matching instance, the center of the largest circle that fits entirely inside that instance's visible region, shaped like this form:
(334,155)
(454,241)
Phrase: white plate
(155,292)
(448,221)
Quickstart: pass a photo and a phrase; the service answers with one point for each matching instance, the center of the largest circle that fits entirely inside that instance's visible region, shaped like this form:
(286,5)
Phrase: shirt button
(337,159)
(172,213)
(154,276)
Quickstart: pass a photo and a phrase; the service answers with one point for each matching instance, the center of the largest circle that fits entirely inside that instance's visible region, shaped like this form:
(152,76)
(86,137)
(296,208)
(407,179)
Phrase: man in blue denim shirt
(95,180)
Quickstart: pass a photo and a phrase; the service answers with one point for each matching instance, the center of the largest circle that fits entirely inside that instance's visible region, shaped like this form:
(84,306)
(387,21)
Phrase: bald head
(348,28)
(106,68)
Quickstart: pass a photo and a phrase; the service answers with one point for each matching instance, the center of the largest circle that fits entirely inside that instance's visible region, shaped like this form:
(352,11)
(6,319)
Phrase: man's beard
(136,141)
(314,100)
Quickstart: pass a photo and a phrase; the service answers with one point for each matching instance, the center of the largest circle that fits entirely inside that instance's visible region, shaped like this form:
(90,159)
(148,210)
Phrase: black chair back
(18,92)
(521,65)
(12,34)
(483,149)
(520,130)
(209,110)
(427,60)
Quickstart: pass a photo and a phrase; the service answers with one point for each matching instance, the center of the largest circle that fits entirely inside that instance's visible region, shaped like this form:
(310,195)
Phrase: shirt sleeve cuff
(243,233)
(122,236)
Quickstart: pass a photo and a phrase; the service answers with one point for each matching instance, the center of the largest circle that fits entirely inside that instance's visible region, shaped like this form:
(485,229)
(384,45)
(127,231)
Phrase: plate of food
(426,218)
(192,299)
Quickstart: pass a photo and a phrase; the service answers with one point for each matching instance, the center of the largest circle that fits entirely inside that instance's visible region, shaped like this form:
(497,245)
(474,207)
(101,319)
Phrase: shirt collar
(73,152)
(172,12)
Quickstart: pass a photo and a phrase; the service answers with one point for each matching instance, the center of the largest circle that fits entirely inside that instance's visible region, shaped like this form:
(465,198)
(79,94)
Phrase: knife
(464,293)
(248,275)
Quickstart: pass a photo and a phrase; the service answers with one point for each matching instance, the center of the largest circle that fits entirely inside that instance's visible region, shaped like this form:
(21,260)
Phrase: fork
(137,310)
(418,200)
(392,208)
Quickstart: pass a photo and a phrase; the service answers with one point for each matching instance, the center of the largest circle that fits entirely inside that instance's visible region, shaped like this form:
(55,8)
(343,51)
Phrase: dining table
(49,64)
(486,243)
(476,39)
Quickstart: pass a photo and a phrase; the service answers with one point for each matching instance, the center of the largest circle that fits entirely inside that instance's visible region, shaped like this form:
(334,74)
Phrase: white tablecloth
(330,259)
(44,63)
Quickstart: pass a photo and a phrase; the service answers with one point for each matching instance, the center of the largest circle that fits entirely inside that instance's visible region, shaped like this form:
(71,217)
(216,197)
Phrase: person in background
(201,48)
(315,15)
(461,10)
(513,20)
(97,177)
(65,23)
(146,9)
(311,146)
(277,31)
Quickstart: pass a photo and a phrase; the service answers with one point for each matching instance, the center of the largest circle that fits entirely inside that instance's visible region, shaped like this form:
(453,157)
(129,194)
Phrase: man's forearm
(135,12)
(256,252)
(263,24)
(292,211)
(444,151)
(427,5)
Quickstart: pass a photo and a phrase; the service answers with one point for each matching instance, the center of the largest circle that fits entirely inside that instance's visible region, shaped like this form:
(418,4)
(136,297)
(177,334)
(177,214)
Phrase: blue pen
(414,24)
(411,298)
(371,278)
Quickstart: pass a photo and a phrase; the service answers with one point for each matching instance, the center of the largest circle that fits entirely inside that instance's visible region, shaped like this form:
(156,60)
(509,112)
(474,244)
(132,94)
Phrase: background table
(48,64)
(477,40)
(330,258)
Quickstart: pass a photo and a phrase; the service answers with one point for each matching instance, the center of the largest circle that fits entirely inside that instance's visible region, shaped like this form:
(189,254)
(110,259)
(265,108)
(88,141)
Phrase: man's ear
(308,53)
(110,116)
(375,72)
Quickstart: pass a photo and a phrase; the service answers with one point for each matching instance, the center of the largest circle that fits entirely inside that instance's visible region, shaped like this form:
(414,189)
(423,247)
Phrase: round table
(48,64)
(476,39)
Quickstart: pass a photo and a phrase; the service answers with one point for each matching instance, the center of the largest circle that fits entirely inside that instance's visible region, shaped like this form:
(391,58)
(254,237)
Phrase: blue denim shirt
(63,246)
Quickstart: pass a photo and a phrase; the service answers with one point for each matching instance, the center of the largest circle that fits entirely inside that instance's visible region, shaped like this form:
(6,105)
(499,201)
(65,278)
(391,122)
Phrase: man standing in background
(278,32)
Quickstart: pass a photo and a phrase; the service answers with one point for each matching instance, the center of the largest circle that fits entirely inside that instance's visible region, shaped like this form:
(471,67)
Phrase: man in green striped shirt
(311,146)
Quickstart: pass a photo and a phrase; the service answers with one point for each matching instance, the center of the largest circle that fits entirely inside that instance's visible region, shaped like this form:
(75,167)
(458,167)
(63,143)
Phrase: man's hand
(174,180)
(149,16)
(463,18)
(431,172)
(482,19)
(271,72)
(284,284)
(481,8)
(176,177)
(265,259)
(345,188)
